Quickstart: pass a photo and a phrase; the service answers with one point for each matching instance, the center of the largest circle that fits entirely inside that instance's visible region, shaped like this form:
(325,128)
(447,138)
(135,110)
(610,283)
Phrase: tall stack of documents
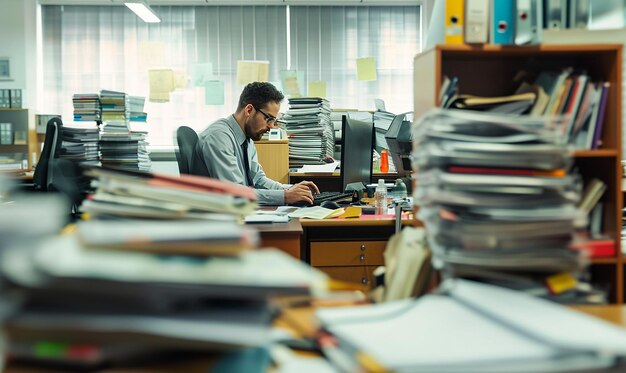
(86,107)
(469,327)
(134,194)
(135,109)
(120,146)
(310,131)
(80,144)
(498,198)
(127,291)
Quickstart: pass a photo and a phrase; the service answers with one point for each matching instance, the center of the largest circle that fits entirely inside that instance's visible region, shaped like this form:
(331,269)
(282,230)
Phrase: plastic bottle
(380,198)
(384,161)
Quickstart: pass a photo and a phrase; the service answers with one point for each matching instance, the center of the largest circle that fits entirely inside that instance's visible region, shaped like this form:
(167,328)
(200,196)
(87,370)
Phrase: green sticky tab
(50,349)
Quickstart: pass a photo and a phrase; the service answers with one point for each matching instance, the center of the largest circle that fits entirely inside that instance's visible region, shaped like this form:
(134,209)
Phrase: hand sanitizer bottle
(380,198)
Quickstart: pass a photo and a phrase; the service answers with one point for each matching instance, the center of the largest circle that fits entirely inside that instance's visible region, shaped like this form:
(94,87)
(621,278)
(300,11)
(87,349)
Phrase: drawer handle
(363,247)
(364,280)
(361,257)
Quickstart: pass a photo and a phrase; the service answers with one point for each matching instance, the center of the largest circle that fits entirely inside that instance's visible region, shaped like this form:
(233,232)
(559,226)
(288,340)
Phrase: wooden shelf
(11,148)
(611,260)
(488,70)
(596,153)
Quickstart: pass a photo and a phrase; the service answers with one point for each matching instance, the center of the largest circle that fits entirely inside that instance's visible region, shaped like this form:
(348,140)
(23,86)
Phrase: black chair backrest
(188,157)
(44,176)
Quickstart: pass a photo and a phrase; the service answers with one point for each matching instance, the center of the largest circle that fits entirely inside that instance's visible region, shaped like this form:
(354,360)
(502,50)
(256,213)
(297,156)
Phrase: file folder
(556,14)
(477,21)
(528,22)
(578,13)
(454,20)
(503,22)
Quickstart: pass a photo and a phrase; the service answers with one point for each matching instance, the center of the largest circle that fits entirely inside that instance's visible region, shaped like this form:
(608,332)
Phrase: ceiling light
(143,11)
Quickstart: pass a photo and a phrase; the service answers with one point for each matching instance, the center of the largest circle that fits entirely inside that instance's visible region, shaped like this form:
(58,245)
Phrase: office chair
(188,156)
(43,177)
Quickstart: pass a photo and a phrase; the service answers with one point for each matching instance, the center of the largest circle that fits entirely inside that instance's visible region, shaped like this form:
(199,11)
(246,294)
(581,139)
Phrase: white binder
(477,21)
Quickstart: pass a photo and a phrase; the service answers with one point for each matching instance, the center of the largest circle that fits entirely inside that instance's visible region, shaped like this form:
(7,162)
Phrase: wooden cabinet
(347,249)
(14,139)
(489,70)
(274,158)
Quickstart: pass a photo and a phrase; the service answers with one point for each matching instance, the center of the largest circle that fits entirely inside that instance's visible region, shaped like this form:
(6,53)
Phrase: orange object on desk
(384,161)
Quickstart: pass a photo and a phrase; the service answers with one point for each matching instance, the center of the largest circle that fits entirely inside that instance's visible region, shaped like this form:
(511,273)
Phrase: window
(89,48)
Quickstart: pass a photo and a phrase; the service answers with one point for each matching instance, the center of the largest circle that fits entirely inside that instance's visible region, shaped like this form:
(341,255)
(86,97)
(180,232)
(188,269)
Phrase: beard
(255,136)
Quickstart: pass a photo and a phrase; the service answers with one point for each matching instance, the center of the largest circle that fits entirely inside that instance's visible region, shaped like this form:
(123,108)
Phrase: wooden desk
(284,236)
(347,249)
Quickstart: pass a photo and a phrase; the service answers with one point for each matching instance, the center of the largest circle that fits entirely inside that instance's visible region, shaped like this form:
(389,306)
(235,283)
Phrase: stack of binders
(310,131)
(498,198)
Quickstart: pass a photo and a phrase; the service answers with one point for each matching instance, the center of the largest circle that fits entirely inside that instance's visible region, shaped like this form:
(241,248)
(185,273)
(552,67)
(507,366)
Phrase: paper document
(313,168)
(266,218)
(316,212)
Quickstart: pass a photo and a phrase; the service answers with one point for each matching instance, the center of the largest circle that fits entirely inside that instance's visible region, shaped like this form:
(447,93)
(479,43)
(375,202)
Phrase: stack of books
(80,144)
(86,107)
(120,146)
(568,92)
(499,200)
(310,131)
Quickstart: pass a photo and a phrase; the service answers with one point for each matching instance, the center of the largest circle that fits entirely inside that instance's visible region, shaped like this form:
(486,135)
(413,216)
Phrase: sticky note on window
(317,89)
(214,92)
(161,84)
(366,68)
(252,71)
(152,54)
(180,79)
(292,82)
(200,73)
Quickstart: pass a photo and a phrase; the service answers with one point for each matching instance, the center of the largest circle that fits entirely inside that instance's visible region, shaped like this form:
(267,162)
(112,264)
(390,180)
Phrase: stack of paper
(120,146)
(135,109)
(470,327)
(80,144)
(155,196)
(76,296)
(498,198)
(86,107)
(310,132)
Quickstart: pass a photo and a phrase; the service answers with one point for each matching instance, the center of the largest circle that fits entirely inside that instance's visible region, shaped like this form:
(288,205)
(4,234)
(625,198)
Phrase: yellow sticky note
(152,54)
(161,84)
(560,283)
(252,71)
(366,68)
(351,212)
(317,89)
(180,79)
(291,82)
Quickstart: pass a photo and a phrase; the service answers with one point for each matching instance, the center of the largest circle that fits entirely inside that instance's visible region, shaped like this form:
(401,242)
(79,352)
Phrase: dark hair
(259,94)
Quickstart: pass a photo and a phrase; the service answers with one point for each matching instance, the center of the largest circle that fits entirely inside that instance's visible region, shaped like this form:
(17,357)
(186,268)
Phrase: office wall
(18,42)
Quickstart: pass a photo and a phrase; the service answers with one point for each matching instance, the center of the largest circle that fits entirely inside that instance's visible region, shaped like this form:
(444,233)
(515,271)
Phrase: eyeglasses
(268,118)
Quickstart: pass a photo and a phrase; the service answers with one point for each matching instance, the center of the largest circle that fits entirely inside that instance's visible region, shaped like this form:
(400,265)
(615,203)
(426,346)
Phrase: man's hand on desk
(303,191)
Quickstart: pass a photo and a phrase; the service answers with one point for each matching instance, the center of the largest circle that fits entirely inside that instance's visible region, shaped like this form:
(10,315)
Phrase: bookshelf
(14,149)
(488,70)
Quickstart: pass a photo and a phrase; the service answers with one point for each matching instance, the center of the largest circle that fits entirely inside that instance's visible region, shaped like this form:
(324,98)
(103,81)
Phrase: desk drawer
(349,253)
(362,275)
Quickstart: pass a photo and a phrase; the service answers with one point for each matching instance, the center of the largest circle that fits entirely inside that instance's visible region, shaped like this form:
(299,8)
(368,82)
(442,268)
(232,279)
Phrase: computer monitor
(356,151)
(399,140)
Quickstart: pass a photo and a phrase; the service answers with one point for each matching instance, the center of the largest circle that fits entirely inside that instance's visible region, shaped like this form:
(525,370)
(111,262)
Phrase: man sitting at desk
(230,155)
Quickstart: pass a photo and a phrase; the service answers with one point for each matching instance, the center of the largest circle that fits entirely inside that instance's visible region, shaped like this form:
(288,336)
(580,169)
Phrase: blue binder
(503,27)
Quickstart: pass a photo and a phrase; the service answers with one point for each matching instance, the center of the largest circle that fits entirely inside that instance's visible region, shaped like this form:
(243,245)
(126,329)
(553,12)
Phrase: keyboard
(329,196)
